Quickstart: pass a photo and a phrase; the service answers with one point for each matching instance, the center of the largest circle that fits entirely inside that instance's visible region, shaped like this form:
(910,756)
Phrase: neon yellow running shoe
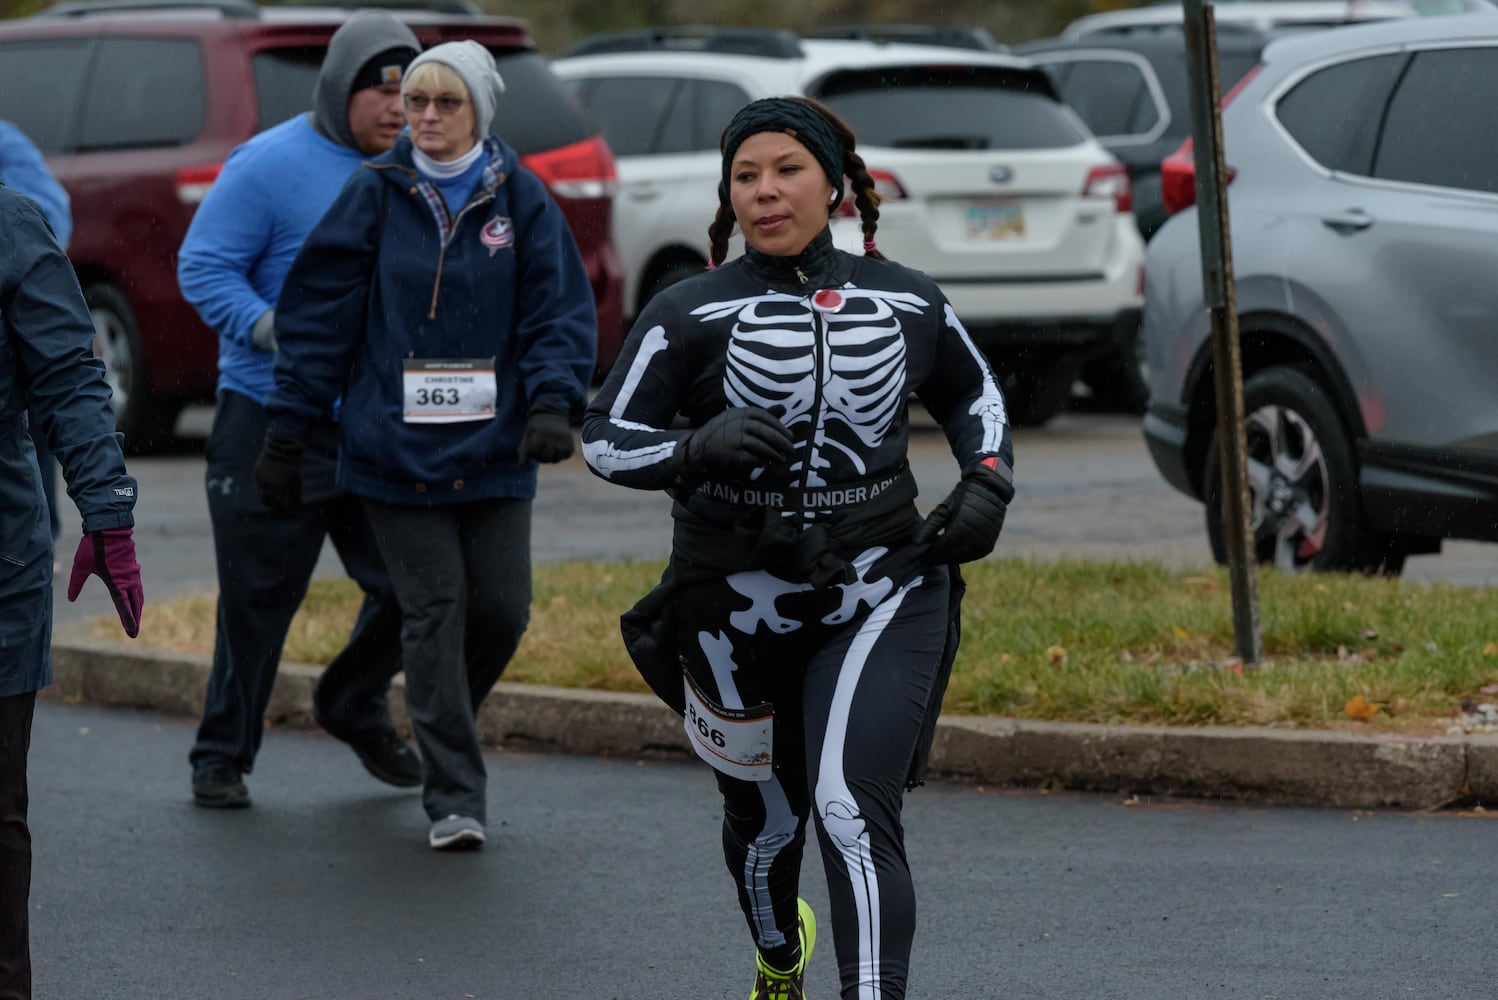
(770,984)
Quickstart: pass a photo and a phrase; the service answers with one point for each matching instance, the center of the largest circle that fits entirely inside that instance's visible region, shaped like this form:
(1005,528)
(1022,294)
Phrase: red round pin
(827,300)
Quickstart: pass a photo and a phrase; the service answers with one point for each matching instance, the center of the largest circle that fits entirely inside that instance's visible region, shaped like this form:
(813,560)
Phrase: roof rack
(772,43)
(949,36)
(82,8)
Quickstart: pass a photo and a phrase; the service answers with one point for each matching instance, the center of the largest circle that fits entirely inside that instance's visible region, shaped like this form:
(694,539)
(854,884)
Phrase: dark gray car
(1365,241)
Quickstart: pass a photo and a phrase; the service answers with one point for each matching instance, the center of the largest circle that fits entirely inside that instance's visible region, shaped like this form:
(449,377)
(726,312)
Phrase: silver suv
(1365,241)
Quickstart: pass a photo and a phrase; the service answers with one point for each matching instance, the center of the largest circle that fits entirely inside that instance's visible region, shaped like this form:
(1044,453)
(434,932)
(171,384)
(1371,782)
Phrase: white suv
(990,183)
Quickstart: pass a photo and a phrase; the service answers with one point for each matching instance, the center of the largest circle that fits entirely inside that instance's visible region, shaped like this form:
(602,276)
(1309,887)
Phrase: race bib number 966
(448,390)
(737,742)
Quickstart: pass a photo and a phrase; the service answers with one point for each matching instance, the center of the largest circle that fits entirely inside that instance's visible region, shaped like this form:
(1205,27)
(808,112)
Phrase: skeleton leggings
(849,671)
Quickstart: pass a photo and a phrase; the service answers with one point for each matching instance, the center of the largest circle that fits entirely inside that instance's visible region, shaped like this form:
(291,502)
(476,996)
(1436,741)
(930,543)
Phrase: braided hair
(792,115)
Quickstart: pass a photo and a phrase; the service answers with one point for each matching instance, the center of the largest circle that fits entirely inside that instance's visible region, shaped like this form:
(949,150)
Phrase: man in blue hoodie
(272,191)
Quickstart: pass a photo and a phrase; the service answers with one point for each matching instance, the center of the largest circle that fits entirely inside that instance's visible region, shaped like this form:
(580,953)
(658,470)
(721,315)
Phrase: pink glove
(110,554)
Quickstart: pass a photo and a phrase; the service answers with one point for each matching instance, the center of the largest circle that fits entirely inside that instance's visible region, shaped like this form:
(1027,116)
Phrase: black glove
(735,443)
(966,525)
(278,474)
(547,437)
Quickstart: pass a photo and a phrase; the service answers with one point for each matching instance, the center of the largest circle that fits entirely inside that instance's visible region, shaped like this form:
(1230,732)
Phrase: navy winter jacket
(47,367)
(390,274)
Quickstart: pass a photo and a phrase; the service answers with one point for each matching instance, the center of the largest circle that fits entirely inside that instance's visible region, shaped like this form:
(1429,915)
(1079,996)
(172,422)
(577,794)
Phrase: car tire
(672,273)
(146,422)
(1118,380)
(1035,389)
(1305,513)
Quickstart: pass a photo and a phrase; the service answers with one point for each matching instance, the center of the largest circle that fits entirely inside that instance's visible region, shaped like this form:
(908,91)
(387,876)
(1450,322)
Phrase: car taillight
(886,186)
(582,170)
(193,182)
(1111,181)
(1178,170)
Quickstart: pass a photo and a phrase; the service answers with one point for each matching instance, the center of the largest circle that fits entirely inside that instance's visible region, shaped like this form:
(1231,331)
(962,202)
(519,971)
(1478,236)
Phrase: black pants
(265,563)
(463,576)
(15,847)
(849,672)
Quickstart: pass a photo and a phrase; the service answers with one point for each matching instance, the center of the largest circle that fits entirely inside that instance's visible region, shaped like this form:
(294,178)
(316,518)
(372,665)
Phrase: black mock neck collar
(818,266)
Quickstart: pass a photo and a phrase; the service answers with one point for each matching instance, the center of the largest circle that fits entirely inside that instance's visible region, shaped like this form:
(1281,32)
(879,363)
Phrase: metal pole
(1221,300)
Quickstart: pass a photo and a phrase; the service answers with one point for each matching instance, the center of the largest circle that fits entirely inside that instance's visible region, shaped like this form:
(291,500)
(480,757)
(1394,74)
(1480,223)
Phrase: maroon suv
(136,106)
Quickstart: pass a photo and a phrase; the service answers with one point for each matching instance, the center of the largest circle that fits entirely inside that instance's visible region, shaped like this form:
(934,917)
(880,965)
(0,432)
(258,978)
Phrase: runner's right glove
(735,443)
(278,474)
(966,525)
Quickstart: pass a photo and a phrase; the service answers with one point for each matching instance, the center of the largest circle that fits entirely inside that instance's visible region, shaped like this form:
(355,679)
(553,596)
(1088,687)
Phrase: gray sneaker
(456,833)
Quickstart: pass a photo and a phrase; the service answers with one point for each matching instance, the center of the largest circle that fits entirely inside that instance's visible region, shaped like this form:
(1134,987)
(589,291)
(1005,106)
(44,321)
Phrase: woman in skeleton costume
(807,623)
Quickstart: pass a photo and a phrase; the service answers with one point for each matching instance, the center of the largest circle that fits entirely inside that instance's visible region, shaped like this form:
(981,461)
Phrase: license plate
(1000,219)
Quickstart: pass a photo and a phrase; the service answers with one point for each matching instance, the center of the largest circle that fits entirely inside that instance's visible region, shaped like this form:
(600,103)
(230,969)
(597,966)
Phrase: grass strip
(1072,640)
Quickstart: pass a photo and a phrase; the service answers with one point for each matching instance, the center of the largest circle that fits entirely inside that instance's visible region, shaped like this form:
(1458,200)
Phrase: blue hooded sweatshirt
(388,275)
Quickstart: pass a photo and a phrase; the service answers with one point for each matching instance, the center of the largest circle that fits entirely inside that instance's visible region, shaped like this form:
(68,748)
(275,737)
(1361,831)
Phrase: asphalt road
(1086,487)
(603,881)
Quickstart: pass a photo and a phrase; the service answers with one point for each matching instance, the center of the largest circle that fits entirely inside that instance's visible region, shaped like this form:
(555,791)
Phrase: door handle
(1351,221)
(643,192)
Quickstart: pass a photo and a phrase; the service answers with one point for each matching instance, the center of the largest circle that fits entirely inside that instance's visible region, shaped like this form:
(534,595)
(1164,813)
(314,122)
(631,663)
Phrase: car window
(1334,113)
(630,109)
(948,107)
(285,82)
(143,92)
(1436,132)
(539,113)
(1111,95)
(699,115)
(40,83)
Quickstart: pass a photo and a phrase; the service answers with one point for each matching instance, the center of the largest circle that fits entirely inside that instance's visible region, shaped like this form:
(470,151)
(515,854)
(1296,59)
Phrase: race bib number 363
(447,390)
(736,742)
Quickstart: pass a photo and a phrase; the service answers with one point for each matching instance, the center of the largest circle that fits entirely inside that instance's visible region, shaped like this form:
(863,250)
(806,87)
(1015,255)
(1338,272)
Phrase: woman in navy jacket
(47,368)
(444,300)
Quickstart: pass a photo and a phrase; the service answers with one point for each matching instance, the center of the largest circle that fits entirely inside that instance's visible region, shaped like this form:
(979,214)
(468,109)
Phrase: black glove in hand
(966,525)
(547,437)
(278,474)
(735,443)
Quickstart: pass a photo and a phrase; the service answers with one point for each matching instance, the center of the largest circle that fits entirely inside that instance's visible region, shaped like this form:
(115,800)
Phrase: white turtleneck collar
(446,171)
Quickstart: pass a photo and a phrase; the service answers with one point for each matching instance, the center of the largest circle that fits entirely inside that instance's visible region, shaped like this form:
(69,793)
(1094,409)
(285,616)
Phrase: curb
(1290,767)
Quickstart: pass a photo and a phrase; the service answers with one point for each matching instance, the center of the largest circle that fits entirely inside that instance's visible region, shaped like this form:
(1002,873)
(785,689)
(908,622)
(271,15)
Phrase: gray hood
(362,37)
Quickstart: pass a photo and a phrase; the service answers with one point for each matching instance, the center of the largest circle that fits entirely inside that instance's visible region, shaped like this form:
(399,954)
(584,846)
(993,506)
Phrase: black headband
(805,124)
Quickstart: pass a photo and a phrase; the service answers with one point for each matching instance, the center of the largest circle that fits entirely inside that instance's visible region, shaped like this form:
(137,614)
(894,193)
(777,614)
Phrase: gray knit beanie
(475,65)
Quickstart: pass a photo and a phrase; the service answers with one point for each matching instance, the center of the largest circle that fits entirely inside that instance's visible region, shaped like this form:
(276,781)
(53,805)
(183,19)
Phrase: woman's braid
(866,199)
(719,232)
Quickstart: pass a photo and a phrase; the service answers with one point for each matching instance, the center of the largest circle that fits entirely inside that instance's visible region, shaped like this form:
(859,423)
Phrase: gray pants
(462,574)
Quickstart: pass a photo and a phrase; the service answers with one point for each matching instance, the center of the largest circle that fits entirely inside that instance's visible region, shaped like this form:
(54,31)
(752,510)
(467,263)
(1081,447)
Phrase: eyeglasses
(446,104)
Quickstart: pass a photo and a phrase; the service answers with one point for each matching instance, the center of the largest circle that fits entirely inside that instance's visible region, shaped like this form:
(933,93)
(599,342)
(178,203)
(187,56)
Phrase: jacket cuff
(104,520)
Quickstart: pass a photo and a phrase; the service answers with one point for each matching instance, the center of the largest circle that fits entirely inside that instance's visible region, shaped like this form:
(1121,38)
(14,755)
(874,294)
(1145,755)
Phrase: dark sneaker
(381,750)
(219,787)
(456,833)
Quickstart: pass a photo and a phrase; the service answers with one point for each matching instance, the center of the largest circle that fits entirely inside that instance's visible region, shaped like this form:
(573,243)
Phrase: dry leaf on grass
(1359,707)
(1056,655)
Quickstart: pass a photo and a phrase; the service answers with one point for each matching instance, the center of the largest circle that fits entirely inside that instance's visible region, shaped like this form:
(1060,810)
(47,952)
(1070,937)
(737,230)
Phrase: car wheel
(1118,380)
(668,276)
(146,422)
(1036,389)
(1304,511)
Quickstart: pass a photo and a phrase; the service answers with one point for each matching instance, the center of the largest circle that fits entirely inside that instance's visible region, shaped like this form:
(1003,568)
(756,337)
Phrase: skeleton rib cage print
(836,368)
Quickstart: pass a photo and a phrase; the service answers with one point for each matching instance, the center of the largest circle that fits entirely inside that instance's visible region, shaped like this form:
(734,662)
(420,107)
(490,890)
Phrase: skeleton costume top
(830,343)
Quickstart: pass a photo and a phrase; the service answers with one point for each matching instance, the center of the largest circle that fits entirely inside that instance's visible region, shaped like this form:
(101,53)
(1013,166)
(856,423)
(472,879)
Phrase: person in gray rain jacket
(444,300)
(47,369)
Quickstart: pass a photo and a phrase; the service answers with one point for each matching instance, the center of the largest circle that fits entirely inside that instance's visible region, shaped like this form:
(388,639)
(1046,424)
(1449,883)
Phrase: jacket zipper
(819,331)
(452,230)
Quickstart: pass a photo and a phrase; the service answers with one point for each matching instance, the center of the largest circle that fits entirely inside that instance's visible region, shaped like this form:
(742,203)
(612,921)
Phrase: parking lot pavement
(1086,487)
